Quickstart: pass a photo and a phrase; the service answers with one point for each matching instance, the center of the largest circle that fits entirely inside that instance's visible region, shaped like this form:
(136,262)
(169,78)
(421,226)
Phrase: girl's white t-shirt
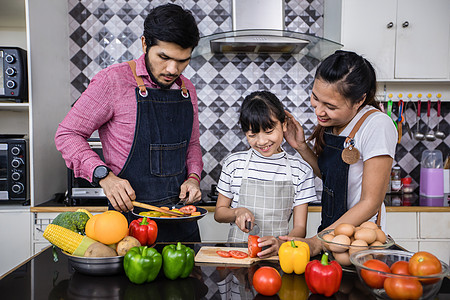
(377,136)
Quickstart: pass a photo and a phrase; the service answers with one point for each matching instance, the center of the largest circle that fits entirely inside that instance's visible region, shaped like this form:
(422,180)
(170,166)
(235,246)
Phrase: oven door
(4,171)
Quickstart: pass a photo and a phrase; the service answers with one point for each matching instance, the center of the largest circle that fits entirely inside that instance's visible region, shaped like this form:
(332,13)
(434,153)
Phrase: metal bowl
(98,266)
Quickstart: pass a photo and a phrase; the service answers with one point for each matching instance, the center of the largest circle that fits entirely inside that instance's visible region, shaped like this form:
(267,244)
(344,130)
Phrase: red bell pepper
(322,277)
(145,230)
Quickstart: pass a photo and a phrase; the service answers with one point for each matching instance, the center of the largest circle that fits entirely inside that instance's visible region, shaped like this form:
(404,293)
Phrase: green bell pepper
(142,264)
(178,261)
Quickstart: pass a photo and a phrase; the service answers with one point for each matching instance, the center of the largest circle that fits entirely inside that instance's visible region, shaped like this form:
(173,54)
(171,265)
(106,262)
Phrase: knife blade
(254,230)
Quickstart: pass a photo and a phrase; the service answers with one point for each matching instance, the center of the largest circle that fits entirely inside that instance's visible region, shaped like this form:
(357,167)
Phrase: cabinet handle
(390,25)
(405,24)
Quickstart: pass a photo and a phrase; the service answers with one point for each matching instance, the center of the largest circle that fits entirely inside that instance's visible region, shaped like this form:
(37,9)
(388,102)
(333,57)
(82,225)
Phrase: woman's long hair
(353,76)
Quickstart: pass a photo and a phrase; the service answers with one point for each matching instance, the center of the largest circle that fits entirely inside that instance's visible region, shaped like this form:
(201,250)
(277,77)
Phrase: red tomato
(188,209)
(223,253)
(424,263)
(238,254)
(267,281)
(400,267)
(253,248)
(372,278)
(403,288)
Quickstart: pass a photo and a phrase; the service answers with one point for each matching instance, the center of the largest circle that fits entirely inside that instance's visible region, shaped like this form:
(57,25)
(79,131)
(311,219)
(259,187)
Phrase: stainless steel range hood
(258,27)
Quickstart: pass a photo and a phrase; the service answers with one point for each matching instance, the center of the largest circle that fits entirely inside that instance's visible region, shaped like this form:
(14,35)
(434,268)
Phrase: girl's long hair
(353,77)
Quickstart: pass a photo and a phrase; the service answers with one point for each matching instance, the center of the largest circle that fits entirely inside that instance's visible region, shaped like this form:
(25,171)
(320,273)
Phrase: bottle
(396,180)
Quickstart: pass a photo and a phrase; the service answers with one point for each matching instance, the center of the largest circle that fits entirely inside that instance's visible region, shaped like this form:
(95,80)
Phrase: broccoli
(75,221)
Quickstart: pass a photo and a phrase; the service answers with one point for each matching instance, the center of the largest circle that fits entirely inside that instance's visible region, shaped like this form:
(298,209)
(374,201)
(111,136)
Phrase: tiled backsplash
(107,32)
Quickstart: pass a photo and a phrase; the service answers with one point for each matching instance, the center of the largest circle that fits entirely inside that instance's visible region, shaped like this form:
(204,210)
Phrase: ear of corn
(69,241)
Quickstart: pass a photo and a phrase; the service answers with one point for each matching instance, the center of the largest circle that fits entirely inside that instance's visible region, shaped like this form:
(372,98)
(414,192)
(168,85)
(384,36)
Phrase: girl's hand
(294,134)
(270,244)
(243,215)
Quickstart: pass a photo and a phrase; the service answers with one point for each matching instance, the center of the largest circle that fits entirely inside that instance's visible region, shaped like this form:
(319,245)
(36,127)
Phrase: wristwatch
(100,172)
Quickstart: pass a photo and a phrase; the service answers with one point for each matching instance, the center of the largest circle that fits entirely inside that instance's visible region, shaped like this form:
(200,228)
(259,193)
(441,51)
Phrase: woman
(355,172)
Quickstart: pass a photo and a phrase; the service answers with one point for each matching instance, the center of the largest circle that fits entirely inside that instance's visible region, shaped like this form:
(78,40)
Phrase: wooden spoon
(155,208)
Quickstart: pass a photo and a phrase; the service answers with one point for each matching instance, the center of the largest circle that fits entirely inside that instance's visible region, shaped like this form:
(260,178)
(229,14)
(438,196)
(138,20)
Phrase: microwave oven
(13,74)
(14,170)
(81,190)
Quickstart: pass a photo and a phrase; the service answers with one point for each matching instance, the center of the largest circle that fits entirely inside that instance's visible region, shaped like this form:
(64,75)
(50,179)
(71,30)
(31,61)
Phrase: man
(146,114)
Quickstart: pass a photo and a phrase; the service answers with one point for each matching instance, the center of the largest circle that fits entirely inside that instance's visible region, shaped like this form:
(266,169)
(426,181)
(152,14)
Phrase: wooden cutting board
(208,254)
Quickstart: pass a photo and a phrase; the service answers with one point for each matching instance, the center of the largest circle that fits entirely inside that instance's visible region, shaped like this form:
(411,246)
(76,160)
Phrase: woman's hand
(294,134)
(270,244)
(243,215)
(315,245)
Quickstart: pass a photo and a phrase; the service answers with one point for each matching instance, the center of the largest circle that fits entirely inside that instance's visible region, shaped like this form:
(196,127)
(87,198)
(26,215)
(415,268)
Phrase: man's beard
(152,77)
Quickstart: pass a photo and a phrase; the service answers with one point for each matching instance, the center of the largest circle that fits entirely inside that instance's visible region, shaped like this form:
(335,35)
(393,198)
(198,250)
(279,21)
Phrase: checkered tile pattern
(106,32)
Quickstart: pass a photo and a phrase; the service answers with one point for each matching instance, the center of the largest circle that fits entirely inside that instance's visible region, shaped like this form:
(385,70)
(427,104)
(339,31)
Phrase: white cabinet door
(16,239)
(423,34)
(367,31)
(403,39)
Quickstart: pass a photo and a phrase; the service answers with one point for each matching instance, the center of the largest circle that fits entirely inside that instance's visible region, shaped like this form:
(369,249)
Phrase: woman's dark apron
(156,165)
(334,173)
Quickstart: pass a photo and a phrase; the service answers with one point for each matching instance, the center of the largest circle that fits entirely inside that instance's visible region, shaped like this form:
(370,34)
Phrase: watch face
(101,172)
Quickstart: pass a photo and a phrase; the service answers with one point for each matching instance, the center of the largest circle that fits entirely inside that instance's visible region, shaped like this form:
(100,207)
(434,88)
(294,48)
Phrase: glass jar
(407,186)
(396,180)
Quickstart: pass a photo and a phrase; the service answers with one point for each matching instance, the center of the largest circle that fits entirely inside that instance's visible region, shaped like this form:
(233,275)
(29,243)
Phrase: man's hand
(118,191)
(190,190)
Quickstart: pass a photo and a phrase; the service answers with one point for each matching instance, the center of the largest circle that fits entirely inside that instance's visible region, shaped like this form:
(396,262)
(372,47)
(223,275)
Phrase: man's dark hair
(171,23)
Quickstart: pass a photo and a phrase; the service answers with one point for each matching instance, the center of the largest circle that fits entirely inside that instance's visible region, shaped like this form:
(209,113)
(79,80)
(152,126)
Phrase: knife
(253,230)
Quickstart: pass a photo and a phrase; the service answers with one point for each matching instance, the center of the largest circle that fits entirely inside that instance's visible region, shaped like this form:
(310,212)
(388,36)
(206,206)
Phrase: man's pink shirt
(109,104)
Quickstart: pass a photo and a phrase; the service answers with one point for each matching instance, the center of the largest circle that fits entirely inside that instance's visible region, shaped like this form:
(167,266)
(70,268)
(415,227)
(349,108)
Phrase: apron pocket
(167,159)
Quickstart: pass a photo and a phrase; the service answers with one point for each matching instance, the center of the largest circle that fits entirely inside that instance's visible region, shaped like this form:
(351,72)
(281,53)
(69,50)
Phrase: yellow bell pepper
(293,286)
(294,255)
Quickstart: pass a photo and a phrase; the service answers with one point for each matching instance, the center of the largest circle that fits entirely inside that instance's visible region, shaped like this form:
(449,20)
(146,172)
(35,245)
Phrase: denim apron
(269,201)
(156,165)
(334,173)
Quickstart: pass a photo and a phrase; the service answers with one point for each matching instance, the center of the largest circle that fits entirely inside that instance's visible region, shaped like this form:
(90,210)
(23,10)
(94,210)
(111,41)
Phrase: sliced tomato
(238,254)
(253,248)
(223,253)
(188,209)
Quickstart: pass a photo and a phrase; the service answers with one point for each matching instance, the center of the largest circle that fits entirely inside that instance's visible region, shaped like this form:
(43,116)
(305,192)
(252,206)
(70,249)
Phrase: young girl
(343,98)
(264,185)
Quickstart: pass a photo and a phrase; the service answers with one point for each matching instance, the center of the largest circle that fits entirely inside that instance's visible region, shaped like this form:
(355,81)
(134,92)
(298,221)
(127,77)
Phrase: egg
(327,237)
(360,245)
(381,236)
(341,239)
(369,224)
(343,258)
(376,243)
(344,228)
(366,234)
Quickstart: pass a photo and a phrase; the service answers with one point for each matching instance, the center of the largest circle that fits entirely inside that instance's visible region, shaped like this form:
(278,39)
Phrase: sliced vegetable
(238,254)
(253,248)
(188,209)
(223,253)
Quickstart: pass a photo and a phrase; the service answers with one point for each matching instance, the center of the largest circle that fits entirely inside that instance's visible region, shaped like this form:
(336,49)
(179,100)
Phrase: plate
(99,266)
(203,212)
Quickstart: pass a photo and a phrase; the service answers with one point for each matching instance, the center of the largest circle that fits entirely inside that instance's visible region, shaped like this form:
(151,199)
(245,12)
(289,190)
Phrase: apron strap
(358,125)
(139,81)
(184,90)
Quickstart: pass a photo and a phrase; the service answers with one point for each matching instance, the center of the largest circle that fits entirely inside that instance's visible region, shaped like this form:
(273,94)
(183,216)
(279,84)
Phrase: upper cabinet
(403,39)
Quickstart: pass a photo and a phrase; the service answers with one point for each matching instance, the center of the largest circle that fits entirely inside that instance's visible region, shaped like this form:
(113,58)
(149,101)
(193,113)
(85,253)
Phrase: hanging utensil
(408,128)
(389,109)
(418,135)
(400,121)
(430,135)
(439,134)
